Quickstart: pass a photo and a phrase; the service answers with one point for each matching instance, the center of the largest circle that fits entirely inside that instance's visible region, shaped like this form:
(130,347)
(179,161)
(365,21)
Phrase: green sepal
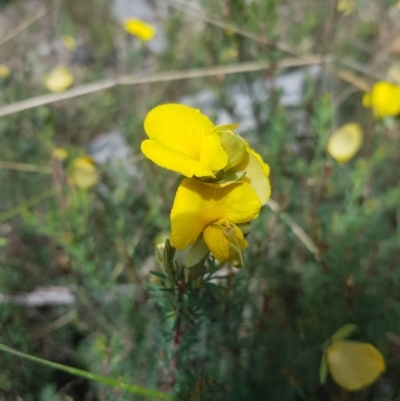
(323,370)
(233,176)
(233,145)
(197,252)
(344,332)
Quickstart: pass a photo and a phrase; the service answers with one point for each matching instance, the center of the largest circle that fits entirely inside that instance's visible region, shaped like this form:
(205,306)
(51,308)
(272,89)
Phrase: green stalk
(90,376)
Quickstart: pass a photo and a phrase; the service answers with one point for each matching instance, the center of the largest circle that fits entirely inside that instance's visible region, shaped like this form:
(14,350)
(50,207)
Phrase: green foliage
(197,332)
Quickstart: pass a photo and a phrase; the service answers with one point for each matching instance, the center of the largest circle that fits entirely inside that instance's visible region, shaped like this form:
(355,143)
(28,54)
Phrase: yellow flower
(5,72)
(59,79)
(354,365)
(182,140)
(60,153)
(345,7)
(384,99)
(345,142)
(140,29)
(200,208)
(69,42)
(83,172)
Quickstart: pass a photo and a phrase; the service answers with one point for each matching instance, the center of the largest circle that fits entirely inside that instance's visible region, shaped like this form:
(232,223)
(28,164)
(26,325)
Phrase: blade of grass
(153,78)
(25,167)
(90,376)
(14,211)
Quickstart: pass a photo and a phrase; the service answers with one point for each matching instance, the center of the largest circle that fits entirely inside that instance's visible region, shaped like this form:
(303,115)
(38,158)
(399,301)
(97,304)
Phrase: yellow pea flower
(384,99)
(59,79)
(345,142)
(345,7)
(69,42)
(214,212)
(83,172)
(354,365)
(5,72)
(182,140)
(140,29)
(60,153)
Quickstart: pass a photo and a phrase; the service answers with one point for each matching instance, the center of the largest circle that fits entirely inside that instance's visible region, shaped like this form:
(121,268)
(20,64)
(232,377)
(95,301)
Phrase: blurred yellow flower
(393,74)
(182,140)
(354,365)
(214,212)
(384,99)
(83,172)
(345,142)
(345,7)
(59,79)
(5,72)
(140,29)
(69,42)
(60,153)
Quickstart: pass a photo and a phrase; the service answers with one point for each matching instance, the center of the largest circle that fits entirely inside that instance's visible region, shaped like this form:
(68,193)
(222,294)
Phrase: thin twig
(24,25)
(153,78)
(297,230)
(29,168)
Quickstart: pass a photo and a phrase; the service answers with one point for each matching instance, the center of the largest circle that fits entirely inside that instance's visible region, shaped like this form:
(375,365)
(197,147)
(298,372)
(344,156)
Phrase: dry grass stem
(24,25)
(28,168)
(297,230)
(153,78)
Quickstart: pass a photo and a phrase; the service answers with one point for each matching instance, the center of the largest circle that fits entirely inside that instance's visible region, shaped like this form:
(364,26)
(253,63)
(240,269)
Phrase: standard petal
(179,127)
(173,160)
(354,365)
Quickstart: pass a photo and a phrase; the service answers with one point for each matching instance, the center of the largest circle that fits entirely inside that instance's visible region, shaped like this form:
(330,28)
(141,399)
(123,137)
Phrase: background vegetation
(252,335)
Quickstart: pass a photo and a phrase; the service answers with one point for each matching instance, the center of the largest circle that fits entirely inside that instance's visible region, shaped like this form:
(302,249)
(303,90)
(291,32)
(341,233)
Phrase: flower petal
(140,29)
(59,79)
(174,160)
(385,99)
(354,365)
(257,173)
(345,142)
(197,205)
(217,242)
(187,131)
(226,242)
(83,172)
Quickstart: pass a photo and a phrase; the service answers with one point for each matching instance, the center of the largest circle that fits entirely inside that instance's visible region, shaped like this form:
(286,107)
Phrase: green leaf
(343,332)
(197,252)
(90,376)
(323,370)
(158,274)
